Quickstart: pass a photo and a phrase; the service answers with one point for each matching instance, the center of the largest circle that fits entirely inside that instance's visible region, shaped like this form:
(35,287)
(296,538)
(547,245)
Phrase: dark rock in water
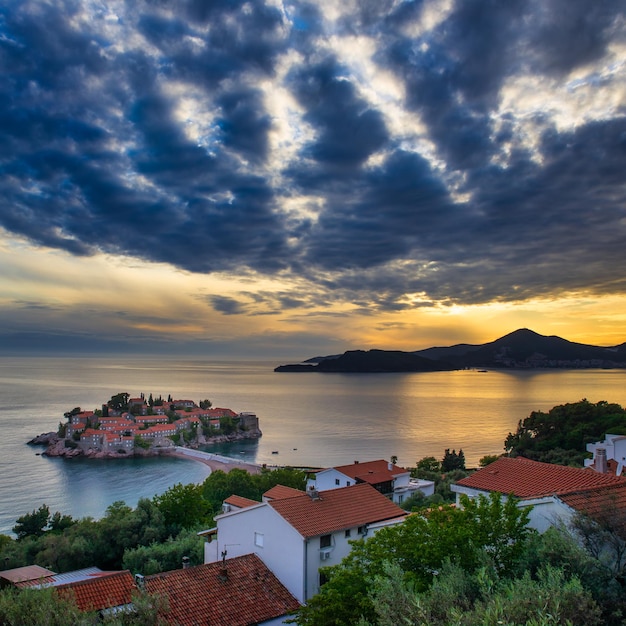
(45,439)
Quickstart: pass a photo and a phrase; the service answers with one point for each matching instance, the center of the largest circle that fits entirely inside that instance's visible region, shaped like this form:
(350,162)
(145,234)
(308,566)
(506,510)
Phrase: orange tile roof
(240,501)
(598,502)
(101,592)
(248,593)
(278,492)
(336,509)
(365,471)
(530,479)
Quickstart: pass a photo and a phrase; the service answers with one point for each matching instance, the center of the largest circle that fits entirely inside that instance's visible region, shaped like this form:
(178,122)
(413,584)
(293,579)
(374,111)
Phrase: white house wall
(282,550)
(545,512)
(327,479)
(339,549)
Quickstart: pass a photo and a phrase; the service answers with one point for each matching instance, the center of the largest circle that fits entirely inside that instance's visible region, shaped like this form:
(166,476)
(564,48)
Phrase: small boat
(274,451)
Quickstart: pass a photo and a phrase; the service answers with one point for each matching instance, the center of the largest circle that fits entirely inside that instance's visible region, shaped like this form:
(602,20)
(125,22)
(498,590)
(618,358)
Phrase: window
(325,541)
(347,533)
(347,483)
(337,481)
(323,578)
(361,530)
(258,539)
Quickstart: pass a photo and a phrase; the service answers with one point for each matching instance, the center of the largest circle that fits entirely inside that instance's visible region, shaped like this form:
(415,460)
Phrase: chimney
(140,581)
(186,562)
(389,466)
(601,464)
(313,493)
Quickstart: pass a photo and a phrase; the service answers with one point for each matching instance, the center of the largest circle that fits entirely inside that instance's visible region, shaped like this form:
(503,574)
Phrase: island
(126,426)
(521,349)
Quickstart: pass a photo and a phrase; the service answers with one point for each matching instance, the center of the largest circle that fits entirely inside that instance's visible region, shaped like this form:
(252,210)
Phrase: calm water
(309,419)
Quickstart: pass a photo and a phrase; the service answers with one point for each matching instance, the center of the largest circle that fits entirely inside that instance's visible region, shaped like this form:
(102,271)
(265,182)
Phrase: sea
(307,419)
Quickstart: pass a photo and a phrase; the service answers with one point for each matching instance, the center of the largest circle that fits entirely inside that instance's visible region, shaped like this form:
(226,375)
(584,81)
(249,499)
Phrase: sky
(289,179)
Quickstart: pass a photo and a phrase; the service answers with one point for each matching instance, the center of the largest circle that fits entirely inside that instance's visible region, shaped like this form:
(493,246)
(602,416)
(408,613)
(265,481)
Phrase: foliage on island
(561,434)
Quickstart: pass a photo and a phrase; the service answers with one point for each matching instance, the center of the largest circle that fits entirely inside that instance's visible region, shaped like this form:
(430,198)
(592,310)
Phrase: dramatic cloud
(386,155)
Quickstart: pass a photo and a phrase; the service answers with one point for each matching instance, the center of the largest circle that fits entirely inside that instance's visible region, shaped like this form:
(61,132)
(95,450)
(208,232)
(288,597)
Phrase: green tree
(165,556)
(119,402)
(59,522)
(36,607)
(183,506)
(227,425)
(452,461)
(205,404)
(428,464)
(563,431)
(488,459)
(75,411)
(32,524)
(487,529)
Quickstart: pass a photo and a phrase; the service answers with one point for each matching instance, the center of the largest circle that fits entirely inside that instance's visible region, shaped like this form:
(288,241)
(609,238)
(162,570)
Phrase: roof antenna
(223,575)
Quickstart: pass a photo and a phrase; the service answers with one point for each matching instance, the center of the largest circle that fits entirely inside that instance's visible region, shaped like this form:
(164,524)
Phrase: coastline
(214,463)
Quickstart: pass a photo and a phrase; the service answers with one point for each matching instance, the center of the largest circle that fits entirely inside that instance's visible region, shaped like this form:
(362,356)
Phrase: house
(233,592)
(296,534)
(159,434)
(24,576)
(151,419)
(554,491)
(112,591)
(387,478)
(608,455)
(92,438)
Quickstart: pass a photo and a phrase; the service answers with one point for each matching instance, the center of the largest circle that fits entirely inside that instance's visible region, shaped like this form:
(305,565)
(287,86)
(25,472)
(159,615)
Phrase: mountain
(527,349)
(522,348)
(375,361)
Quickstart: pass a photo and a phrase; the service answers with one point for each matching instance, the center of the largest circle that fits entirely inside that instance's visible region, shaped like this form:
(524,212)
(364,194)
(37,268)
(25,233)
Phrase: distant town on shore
(521,349)
(141,426)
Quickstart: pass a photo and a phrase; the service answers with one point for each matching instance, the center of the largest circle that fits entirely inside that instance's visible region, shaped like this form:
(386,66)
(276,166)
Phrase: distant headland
(521,349)
(126,427)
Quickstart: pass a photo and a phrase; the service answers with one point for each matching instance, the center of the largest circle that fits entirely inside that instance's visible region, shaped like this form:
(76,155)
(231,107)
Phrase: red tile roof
(102,592)
(336,509)
(598,502)
(367,470)
(528,479)
(240,592)
(281,491)
(240,501)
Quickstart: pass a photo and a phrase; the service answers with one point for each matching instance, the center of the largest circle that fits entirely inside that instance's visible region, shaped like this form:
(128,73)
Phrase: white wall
(546,512)
(282,550)
(326,479)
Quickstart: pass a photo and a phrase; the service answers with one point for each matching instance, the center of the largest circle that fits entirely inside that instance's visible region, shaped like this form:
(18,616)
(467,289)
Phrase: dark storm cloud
(349,131)
(151,133)
(226,305)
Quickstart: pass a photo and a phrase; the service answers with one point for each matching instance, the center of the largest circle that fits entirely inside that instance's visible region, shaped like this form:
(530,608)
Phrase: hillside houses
(295,533)
(238,592)
(555,492)
(386,477)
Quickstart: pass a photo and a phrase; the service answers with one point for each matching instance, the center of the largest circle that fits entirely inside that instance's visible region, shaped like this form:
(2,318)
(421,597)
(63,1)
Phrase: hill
(522,348)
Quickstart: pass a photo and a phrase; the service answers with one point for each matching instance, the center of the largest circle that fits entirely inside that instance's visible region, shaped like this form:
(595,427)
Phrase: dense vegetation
(476,566)
(152,537)
(561,434)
